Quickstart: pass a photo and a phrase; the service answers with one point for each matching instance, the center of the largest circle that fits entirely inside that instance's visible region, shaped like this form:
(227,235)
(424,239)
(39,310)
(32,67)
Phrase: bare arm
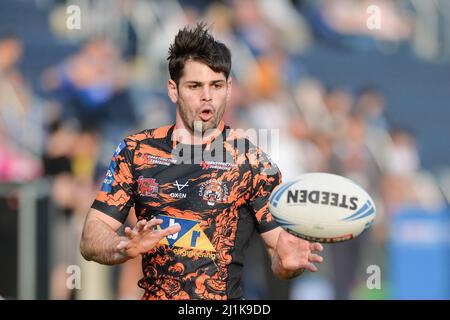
(101,243)
(290,255)
(99,240)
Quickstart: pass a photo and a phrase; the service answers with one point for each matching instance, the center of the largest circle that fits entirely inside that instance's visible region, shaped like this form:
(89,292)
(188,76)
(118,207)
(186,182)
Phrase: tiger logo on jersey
(213,191)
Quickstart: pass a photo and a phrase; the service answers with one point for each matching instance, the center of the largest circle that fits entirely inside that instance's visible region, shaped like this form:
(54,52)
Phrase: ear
(229,87)
(172,91)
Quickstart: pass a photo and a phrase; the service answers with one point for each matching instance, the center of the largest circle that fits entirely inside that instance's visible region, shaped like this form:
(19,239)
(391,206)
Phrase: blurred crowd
(66,127)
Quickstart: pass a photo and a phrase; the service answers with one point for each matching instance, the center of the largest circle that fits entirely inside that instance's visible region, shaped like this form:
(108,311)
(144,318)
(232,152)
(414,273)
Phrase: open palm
(144,237)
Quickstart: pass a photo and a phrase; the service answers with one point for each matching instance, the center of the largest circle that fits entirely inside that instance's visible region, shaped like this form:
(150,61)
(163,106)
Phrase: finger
(152,223)
(122,244)
(170,230)
(316,246)
(140,225)
(128,232)
(311,267)
(315,258)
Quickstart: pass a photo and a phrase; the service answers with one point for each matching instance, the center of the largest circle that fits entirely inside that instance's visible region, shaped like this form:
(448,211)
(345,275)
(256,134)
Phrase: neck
(184,135)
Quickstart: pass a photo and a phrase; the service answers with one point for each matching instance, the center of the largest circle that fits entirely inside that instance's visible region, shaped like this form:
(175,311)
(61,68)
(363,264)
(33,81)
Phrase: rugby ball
(322,207)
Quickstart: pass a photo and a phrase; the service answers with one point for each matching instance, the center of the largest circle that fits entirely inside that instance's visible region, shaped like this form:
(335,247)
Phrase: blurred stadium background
(372,105)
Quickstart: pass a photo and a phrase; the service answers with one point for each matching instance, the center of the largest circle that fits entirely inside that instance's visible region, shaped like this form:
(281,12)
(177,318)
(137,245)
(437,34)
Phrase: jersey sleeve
(116,195)
(266,176)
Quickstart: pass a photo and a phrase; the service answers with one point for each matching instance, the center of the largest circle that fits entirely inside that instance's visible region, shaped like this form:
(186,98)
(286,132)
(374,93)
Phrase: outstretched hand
(296,254)
(144,237)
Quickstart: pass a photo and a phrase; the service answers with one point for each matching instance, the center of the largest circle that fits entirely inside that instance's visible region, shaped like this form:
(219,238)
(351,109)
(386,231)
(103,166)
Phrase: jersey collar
(217,131)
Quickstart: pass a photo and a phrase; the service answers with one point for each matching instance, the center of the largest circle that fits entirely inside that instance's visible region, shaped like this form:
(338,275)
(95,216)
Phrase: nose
(206,94)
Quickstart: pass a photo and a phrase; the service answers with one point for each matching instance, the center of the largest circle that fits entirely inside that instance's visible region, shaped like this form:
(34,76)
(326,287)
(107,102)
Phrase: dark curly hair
(198,45)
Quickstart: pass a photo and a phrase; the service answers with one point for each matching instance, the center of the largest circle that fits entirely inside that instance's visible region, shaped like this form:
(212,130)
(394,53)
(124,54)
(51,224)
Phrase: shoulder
(250,138)
(155,133)
(236,134)
(241,140)
(147,135)
(245,142)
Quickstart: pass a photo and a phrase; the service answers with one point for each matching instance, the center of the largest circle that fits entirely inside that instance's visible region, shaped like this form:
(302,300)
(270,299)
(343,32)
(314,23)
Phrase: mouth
(206,113)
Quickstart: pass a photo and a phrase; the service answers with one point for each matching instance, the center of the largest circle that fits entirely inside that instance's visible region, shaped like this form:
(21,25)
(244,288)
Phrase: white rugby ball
(322,207)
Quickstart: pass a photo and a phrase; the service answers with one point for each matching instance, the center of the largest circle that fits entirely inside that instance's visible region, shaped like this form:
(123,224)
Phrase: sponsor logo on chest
(160,160)
(179,195)
(190,241)
(226,166)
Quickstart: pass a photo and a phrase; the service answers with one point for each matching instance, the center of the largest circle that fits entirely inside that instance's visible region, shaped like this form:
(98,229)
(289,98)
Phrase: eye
(218,85)
(193,86)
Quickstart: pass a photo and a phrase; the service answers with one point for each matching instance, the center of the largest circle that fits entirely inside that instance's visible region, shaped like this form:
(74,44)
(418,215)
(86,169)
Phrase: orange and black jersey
(218,201)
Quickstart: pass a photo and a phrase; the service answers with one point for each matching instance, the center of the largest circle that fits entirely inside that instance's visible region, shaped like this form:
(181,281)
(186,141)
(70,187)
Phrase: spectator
(20,127)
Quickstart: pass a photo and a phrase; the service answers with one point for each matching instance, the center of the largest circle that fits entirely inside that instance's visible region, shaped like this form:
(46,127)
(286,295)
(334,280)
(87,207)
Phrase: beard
(198,126)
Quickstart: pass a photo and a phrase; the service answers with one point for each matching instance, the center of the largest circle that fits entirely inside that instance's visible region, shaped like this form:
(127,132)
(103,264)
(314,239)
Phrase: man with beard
(195,216)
